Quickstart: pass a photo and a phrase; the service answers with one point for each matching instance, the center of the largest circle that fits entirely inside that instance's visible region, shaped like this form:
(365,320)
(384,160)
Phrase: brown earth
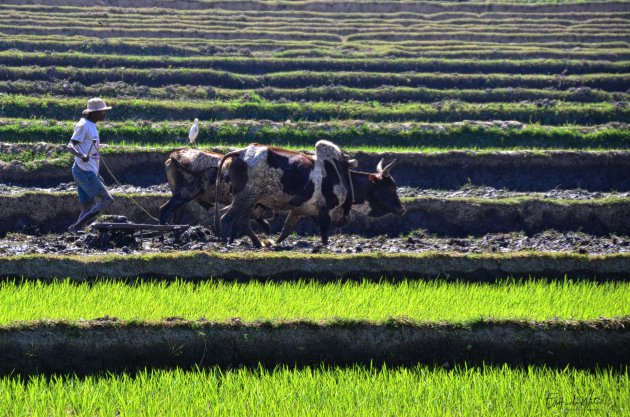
(283,266)
(54,212)
(108,345)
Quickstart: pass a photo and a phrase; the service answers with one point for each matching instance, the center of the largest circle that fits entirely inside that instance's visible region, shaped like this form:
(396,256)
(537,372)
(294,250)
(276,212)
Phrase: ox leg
(289,225)
(167,211)
(265,226)
(324,226)
(227,223)
(237,216)
(244,224)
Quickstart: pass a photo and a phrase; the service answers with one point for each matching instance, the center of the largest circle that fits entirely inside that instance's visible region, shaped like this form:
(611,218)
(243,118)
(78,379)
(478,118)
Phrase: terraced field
(502,290)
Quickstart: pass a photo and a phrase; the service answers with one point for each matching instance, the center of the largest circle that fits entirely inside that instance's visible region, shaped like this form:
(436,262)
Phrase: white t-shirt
(85,133)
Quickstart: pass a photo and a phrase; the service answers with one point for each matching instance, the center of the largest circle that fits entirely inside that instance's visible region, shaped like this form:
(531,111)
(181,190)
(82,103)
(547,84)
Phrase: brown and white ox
(192,175)
(280,179)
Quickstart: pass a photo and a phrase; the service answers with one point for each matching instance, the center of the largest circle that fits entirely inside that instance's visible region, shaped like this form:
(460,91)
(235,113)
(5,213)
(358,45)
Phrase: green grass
(490,35)
(554,113)
(30,156)
(289,48)
(356,391)
(326,93)
(522,200)
(349,134)
(303,31)
(479,51)
(261,65)
(155,77)
(417,300)
(327,25)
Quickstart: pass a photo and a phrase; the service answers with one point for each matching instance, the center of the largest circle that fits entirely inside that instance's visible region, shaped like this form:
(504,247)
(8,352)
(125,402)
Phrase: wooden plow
(140,230)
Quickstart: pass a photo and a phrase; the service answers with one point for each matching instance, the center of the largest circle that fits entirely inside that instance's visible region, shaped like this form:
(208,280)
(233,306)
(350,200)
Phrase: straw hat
(95,104)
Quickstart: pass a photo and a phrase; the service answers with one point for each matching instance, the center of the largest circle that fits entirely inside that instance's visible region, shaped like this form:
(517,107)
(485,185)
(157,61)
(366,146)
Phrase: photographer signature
(588,401)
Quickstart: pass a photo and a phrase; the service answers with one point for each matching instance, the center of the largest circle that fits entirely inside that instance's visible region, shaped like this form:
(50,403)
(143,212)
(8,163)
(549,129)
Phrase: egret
(194,131)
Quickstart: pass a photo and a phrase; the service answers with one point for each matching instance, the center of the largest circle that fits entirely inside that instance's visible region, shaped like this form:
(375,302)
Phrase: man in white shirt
(84,145)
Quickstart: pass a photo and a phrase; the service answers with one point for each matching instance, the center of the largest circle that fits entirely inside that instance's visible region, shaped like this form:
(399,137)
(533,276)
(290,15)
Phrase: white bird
(194,131)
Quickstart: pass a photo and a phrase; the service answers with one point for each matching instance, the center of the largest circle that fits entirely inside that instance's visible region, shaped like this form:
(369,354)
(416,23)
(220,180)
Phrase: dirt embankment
(513,170)
(138,168)
(478,217)
(108,345)
(240,266)
(54,212)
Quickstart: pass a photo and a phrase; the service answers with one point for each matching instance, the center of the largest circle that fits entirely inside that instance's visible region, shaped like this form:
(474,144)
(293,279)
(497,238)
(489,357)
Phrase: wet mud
(465,191)
(203,239)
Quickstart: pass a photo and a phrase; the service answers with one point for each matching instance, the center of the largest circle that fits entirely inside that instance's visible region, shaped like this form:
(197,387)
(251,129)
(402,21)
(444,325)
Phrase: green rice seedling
(216,300)
(355,391)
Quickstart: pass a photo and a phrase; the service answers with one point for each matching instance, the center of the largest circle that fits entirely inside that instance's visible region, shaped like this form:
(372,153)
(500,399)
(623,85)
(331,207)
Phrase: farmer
(84,145)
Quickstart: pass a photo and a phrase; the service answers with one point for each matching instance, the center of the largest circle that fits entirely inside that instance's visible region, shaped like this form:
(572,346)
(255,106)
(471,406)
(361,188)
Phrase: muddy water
(467,191)
(70,186)
(201,238)
(490,192)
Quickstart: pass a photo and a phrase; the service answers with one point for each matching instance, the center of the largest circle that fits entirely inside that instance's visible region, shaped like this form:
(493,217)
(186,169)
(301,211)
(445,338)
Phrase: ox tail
(216,189)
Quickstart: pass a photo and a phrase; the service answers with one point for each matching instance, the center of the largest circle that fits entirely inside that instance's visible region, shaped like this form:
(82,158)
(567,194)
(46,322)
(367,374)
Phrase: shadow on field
(107,345)
(512,170)
(441,216)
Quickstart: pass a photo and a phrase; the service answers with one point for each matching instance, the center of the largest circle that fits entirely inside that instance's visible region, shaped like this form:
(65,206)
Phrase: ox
(303,185)
(378,190)
(192,175)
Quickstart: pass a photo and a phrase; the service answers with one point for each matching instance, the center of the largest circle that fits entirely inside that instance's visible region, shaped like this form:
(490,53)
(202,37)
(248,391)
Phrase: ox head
(380,192)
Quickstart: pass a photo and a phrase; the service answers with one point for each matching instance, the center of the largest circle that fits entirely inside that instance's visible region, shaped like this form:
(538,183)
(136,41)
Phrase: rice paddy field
(416,300)
(503,289)
(352,392)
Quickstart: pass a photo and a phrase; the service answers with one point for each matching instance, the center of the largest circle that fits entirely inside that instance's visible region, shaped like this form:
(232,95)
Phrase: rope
(123,188)
(351,184)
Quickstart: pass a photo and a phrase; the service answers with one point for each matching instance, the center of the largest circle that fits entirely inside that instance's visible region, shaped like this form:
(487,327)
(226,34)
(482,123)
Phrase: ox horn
(353,163)
(379,167)
(388,168)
